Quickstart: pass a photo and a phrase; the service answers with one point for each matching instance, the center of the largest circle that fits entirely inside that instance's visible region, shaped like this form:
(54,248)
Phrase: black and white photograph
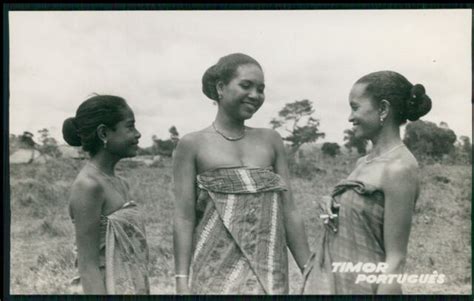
(239,152)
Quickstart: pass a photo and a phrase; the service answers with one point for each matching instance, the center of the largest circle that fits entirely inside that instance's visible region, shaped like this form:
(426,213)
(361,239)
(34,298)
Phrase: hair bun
(419,104)
(209,81)
(70,133)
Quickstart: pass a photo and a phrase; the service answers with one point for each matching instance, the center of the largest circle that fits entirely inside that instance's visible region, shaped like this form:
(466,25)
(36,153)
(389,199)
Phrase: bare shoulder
(85,182)
(190,140)
(266,133)
(85,189)
(403,168)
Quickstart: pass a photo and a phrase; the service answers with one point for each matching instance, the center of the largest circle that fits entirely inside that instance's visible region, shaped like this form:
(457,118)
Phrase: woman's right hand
(182,287)
(329,209)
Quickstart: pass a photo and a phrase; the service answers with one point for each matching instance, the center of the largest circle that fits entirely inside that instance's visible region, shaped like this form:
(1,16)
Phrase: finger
(327,202)
(334,225)
(327,205)
(330,228)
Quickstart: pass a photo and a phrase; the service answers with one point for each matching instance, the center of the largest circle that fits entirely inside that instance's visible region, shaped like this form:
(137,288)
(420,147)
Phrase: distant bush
(352,142)
(426,139)
(331,149)
(304,166)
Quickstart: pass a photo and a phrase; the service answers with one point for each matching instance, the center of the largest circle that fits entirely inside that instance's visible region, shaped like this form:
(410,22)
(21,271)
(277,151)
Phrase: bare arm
(86,203)
(400,186)
(295,231)
(184,173)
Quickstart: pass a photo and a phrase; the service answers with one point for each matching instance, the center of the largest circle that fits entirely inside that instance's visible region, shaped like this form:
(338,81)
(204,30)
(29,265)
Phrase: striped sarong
(240,245)
(359,239)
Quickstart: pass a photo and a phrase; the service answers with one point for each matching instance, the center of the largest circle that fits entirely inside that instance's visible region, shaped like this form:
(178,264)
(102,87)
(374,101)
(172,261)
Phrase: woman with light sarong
(368,238)
(112,252)
(234,212)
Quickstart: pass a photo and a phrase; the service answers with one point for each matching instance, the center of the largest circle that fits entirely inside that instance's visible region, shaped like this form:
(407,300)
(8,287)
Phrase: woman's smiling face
(244,94)
(365,116)
(123,139)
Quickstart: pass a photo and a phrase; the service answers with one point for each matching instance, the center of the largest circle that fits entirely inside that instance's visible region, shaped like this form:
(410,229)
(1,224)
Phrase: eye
(245,85)
(261,89)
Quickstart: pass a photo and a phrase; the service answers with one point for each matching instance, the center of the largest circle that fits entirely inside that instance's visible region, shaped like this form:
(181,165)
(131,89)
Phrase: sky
(156,59)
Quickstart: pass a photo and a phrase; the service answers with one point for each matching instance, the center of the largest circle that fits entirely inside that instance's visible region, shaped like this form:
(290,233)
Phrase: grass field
(42,236)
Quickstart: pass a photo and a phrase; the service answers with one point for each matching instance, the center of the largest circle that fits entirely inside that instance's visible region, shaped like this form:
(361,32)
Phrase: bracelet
(181,276)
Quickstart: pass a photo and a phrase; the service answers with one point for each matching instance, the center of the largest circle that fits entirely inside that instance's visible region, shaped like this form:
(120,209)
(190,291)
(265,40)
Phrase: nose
(138,134)
(351,117)
(255,94)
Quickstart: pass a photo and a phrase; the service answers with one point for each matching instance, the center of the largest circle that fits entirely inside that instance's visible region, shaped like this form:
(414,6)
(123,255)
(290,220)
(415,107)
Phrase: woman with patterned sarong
(374,206)
(234,213)
(112,252)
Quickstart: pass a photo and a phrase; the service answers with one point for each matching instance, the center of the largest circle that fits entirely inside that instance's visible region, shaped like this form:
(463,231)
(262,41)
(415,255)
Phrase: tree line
(425,139)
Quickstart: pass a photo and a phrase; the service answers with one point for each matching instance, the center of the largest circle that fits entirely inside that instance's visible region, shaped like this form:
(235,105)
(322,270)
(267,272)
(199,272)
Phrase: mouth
(252,106)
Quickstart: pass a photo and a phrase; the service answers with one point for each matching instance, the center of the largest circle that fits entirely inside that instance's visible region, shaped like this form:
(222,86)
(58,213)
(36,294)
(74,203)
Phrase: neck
(225,122)
(105,162)
(389,136)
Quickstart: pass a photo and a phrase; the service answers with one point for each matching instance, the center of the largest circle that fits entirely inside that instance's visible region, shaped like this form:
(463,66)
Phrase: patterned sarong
(124,252)
(359,239)
(240,244)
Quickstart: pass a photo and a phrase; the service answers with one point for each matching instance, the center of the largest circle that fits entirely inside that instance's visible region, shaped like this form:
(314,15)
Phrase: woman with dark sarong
(234,213)
(112,252)
(374,205)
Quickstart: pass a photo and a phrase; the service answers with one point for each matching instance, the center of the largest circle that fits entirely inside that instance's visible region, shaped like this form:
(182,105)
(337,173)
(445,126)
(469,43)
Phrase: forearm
(182,243)
(92,279)
(296,238)
(395,266)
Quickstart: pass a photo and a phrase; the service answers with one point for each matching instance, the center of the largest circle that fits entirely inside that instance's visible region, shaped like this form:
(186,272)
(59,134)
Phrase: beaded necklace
(227,137)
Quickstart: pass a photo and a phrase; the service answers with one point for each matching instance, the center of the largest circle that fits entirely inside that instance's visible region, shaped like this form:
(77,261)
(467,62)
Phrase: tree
(466,147)
(49,145)
(353,142)
(425,138)
(165,147)
(174,135)
(292,119)
(26,140)
(331,149)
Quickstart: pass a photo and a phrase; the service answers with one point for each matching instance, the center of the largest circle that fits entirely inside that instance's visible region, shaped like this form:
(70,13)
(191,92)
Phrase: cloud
(155,59)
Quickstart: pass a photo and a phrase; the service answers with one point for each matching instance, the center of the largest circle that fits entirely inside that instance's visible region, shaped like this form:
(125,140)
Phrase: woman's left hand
(329,208)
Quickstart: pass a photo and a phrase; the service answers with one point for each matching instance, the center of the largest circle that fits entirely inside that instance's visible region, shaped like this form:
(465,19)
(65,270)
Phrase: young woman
(110,234)
(234,212)
(376,202)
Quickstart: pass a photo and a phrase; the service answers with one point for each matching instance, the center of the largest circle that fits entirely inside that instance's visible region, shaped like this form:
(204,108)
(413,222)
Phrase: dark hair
(224,71)
(99,109)
(408,101)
